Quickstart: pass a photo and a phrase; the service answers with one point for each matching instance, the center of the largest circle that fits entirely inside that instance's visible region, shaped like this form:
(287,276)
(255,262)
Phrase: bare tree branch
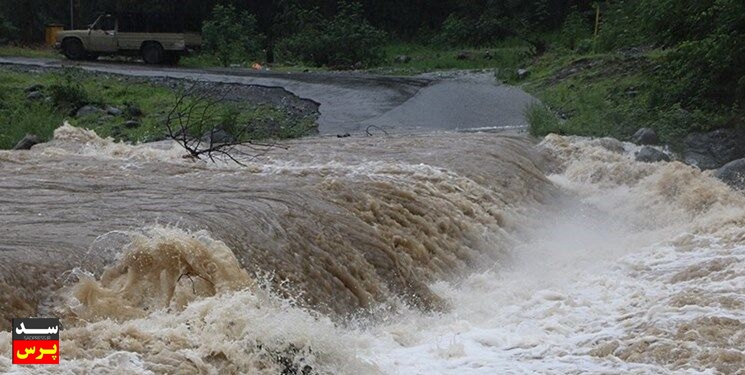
(195,120)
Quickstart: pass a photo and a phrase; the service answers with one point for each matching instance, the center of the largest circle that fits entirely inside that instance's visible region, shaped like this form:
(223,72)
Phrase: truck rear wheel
(73,49)
(153,53)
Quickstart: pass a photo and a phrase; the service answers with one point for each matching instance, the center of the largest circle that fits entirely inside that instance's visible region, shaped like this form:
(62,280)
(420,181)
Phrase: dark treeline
(402,19)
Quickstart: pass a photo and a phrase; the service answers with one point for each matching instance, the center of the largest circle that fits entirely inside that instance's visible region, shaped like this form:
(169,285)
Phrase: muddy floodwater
(446,253)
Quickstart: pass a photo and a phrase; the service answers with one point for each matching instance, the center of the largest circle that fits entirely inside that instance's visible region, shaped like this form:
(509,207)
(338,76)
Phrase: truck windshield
(106,23)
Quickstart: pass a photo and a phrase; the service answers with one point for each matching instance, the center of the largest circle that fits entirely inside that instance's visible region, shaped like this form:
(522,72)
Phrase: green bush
(541,120)
(8,32)
(231,35)
(575,29)
(707,65)
(345,41)
(67,92)
(620,26)
(456,30)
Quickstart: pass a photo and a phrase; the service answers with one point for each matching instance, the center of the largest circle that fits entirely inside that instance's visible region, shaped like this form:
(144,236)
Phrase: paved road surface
(351,102)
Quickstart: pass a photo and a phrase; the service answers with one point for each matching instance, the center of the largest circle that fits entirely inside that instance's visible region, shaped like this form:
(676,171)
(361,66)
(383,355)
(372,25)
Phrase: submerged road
(351,102)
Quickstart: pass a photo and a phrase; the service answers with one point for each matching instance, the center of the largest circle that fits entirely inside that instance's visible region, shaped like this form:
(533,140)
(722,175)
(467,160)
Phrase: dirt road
(351,102)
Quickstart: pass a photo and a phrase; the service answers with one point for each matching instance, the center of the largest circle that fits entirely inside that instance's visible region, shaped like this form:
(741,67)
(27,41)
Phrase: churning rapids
(443,253)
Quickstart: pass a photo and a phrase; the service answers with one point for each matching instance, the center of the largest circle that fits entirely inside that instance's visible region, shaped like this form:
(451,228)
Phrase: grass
(608,95)
(542,120)
(423,58)
(19,116)
(35,51)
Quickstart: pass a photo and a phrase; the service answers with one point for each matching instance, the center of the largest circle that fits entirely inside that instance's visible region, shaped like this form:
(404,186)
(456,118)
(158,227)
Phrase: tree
(706,38)
(347,40)
(231,35)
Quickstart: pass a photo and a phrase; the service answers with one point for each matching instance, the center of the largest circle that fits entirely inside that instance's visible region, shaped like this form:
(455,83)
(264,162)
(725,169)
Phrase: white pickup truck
(157,38)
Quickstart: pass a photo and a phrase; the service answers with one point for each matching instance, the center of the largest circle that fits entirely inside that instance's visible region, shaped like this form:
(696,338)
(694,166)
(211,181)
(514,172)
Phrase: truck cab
(157,38)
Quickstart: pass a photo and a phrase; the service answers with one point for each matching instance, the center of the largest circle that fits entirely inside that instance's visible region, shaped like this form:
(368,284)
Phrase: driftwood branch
(196,118)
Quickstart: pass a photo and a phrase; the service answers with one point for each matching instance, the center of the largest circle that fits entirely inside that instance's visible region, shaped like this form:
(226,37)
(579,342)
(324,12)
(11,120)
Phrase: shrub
(8,32)
(541,120)
(456,30)
(68,92)
(707,64)
(345,41)
(620,26)
(574,29)
(231,35)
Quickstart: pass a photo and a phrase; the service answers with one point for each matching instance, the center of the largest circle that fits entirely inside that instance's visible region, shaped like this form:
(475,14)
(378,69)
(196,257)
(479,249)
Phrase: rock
(116,131)
(133,110)
(35,87)
(463,55)
(132,124)
(35,95)
(522,73)
(104,119)
(27,141)
(611,144)
(645,136)
(649,154)
(402,59)
(114,111)
(218,136)
(733,174)
(714,149)
(88,110)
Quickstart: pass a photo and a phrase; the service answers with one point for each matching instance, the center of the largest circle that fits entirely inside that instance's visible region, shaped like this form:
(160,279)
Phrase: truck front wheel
(73,49)
(153,53)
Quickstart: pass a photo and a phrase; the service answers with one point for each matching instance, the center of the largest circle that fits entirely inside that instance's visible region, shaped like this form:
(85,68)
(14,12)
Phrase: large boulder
(714,149)
(402,59)
(645,136)
(132,124)
(522,73)
(649,154)
(218,136)
(733,173)
(611,144)
(114,111)
(132,110)
(463,55)
(27,142)
(34,95)
(88,110)
(34,87)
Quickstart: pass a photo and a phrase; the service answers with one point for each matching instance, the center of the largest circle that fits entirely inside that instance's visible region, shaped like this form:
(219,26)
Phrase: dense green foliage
(7,30)
(707,65)
(346,40)
(231,35)
(676,66)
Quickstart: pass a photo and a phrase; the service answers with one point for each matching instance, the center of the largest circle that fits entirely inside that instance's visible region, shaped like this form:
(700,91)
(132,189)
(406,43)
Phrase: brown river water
(435,253)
